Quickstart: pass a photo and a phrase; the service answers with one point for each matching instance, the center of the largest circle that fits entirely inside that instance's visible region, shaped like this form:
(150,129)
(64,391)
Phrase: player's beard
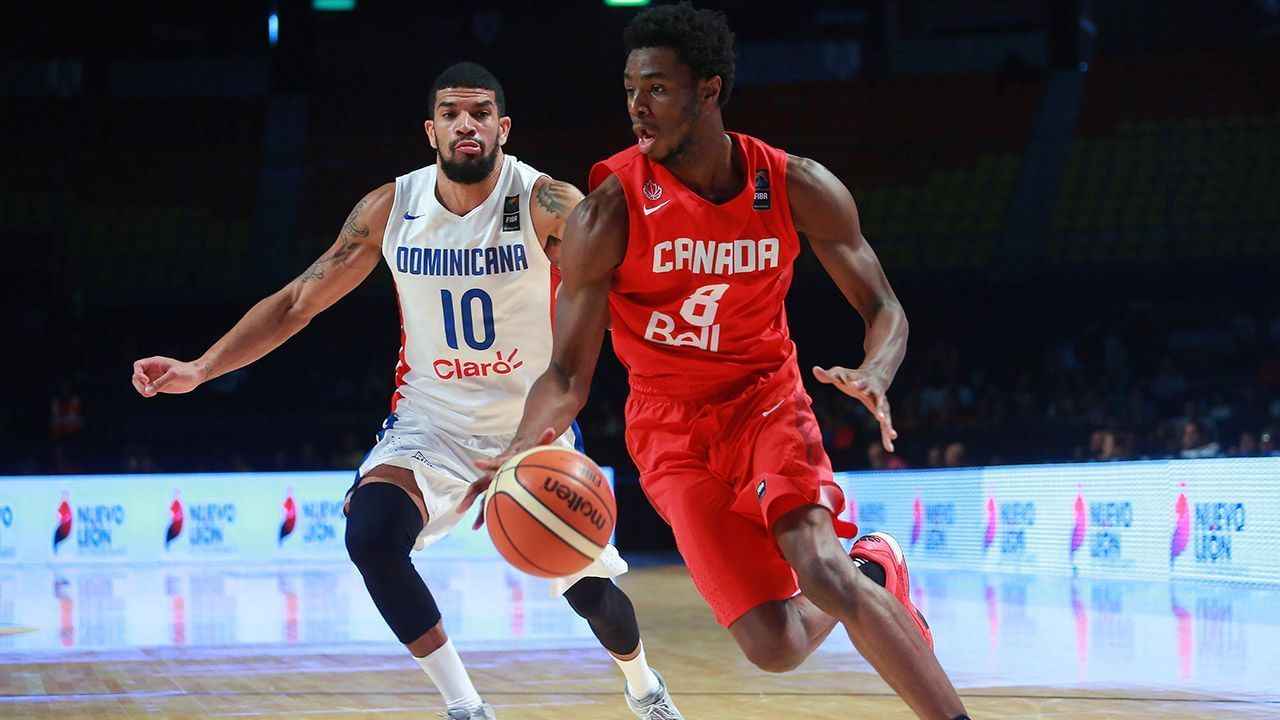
(683,144)
(471,169)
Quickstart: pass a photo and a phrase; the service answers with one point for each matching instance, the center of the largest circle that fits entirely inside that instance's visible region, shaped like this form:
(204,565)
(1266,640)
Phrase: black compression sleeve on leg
(608,611)
(382,525)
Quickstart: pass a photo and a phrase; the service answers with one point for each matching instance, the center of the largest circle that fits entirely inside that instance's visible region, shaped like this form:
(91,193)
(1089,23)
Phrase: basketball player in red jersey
(685,248)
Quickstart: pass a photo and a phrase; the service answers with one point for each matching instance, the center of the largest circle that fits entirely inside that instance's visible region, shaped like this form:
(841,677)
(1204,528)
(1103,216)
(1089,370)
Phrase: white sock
(641,682)
(445,669)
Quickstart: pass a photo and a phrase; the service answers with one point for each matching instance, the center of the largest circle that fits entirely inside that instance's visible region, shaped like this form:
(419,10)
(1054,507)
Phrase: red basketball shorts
(721,470)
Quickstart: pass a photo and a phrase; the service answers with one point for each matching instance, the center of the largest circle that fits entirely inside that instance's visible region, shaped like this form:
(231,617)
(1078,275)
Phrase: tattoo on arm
(553,198)
(208,369)
(354,227)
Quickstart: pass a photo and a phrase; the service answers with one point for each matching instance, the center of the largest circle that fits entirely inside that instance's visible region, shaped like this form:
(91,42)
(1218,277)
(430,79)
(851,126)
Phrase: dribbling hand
(491,466)
(157,374)
(869,388)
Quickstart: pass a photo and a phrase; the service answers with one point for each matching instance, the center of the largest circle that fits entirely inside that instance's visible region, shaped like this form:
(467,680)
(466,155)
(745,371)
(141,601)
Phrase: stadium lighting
(333,5)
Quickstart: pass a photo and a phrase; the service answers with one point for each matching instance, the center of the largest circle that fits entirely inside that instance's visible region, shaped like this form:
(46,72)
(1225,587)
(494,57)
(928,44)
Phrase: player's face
(663,99)
(467,132)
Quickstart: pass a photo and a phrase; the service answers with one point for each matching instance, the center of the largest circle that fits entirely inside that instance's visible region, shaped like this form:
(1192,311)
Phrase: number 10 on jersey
(467,311)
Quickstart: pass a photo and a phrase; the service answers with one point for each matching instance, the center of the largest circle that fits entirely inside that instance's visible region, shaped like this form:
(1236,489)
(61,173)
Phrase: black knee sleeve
(608,611)
(382,525)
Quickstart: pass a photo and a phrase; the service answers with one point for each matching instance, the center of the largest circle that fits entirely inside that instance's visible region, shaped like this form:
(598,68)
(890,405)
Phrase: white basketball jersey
(475,304)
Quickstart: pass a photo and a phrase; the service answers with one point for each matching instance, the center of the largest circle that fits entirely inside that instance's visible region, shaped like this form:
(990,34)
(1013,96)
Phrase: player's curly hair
(468,75)
(701,38)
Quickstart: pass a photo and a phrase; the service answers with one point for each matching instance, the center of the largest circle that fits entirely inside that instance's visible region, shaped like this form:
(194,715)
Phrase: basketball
(550,511)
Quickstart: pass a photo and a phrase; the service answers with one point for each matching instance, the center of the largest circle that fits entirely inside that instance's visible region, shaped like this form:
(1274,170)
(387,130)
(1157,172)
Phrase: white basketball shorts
(443,465)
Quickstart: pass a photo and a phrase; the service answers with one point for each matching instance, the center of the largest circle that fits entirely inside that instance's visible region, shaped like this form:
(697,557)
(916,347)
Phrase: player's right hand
(868,388)
(157,374)
(491,466)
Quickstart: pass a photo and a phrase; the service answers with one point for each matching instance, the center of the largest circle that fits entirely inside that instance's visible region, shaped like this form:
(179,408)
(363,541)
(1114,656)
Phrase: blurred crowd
(1146,379)
(1155,381)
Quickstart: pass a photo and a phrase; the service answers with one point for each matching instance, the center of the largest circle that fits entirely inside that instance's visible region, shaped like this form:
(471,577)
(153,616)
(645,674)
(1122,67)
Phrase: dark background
(1076,202)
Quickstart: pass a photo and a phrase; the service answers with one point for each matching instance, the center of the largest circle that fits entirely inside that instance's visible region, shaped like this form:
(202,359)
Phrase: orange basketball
(550,511)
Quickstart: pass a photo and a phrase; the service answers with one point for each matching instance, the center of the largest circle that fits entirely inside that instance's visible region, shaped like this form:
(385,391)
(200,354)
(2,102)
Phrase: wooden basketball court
(706,673)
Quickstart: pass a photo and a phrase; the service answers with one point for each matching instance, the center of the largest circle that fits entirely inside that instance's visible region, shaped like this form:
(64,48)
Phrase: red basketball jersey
(698,298)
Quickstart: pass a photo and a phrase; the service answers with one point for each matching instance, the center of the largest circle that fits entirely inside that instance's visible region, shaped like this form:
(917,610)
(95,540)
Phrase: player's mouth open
(468,147)
(644,139)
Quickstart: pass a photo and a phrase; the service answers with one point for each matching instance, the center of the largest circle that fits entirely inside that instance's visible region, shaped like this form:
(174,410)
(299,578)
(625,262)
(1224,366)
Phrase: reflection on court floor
(1035,638)
(1005,630)
(486,605)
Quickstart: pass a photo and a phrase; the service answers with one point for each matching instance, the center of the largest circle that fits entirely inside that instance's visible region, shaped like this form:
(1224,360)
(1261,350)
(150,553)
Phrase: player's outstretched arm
(594,243)
(825,214)
(553,203)
(278,316)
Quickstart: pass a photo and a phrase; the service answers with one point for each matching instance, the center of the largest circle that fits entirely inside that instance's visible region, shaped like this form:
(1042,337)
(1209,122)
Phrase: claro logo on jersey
(455,368)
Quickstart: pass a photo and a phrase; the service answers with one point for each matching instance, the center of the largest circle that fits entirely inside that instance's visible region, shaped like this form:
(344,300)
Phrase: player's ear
(430,127)
(711,88)
(504,129)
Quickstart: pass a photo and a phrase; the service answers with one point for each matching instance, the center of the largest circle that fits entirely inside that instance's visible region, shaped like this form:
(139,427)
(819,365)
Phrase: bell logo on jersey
(456,368)
(698,310)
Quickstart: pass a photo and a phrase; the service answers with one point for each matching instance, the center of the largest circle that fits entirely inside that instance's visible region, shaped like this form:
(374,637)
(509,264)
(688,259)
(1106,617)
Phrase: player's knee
(774,655)
(589,597)
(381,525)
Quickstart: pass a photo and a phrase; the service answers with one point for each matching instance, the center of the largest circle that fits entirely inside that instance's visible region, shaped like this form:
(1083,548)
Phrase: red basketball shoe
(882,549)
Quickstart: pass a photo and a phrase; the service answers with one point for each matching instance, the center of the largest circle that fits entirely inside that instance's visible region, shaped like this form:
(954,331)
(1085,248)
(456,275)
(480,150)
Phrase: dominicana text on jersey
(475,303)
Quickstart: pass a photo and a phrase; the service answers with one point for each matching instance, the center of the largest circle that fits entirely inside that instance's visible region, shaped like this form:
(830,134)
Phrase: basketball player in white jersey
(471,242)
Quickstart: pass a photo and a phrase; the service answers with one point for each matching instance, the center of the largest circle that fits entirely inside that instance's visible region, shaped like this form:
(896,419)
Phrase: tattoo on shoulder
(555,197)
(354,227)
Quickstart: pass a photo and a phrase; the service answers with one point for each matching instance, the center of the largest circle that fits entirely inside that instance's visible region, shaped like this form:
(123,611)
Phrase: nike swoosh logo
(775,407)
(407,216)
(651,210)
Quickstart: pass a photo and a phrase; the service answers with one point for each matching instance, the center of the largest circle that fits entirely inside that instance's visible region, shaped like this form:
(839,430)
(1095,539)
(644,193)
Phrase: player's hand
(155,375)
(491,466)
(870,389)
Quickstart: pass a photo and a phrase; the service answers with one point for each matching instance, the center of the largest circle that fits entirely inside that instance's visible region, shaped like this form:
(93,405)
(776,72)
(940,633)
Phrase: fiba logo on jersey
(511,214)
(761,200)
(652,190)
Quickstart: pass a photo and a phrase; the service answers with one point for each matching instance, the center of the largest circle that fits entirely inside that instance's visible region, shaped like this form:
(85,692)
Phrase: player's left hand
(491,466)
(870,389)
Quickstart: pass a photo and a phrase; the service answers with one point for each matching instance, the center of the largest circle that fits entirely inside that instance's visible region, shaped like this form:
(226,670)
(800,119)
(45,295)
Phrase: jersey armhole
(393,219)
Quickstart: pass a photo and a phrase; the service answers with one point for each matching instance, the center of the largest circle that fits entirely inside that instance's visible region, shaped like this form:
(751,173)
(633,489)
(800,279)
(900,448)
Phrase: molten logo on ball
(574,502)
(549,511)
